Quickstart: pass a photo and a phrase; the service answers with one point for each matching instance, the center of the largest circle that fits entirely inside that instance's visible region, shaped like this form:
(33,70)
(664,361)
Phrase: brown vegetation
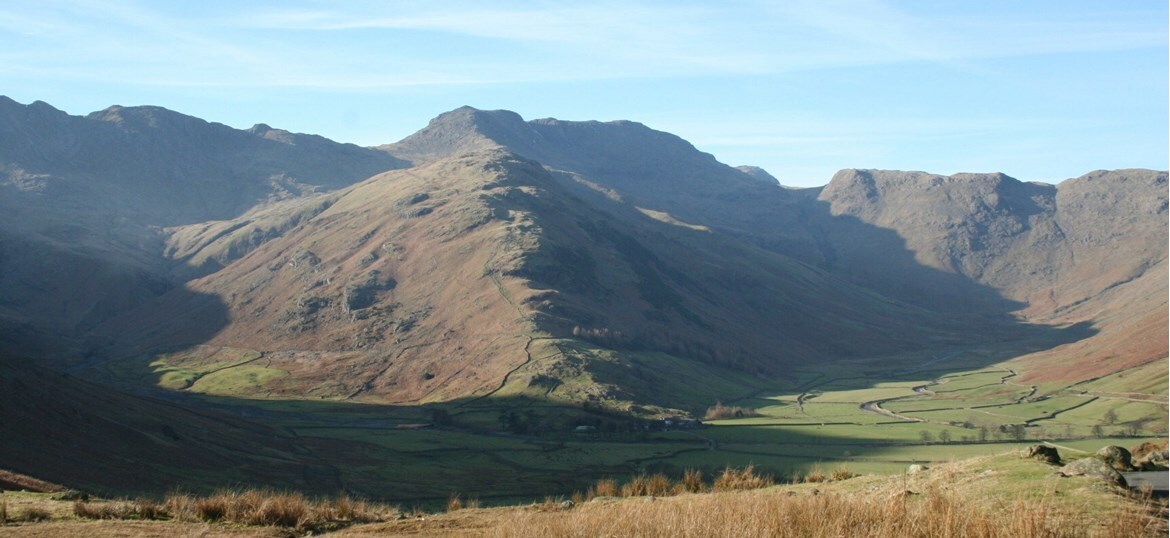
(720,412)
(741,479)
(247,507)
(456,502)
(936,513)
(657,485)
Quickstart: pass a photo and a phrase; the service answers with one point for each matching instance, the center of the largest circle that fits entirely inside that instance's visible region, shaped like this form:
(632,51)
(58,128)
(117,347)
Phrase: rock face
(1094,468)
(1117,457)
(1065,253)
(1043,453)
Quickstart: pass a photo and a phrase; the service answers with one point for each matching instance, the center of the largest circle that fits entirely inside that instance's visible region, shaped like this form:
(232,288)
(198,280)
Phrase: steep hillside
(92,437)
(1090,250)
(149,164)
(83,200)
(517,250)
(434,283)
(628,162)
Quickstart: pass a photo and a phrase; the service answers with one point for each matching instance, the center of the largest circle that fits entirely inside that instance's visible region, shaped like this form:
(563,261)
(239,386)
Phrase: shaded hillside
(434,283)
(512,247)
(1091,249)
(83,200)
(95,438)
(149,164)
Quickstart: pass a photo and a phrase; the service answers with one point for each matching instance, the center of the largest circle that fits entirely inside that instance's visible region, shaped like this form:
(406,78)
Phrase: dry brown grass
(933,514)
(252,507)
(815,475)
(842,473)
(457,502)
(692,481)
(32,515)
(606,487)
(657,485)
(740,479)
(144,509)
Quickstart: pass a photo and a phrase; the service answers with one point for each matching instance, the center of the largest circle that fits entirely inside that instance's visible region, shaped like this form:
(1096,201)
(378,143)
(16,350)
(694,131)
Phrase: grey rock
(1153,461)
(1043,453)
(1094,468)
(1117,457)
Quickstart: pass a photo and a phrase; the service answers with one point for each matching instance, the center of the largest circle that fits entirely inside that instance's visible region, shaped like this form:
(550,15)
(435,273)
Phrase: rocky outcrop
(1043,453)
(1117,457)
(1094,468)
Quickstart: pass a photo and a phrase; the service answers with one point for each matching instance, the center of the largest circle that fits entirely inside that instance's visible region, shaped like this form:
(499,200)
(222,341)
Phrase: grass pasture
(509,446)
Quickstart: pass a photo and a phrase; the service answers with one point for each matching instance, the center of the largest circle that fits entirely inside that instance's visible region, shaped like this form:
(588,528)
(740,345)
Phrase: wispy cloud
(367,46)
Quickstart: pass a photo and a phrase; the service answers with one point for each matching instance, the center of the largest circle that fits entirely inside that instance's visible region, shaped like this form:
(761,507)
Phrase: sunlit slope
(434,283)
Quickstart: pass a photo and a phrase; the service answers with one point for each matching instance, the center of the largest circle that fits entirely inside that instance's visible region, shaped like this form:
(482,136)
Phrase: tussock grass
(457,502)
(3,511)
(692,481)
(815,475)
(33,514)
(740,479)
(606,487)
(936,513)
(842,473)
(254,507)
(657,485)
(144,509)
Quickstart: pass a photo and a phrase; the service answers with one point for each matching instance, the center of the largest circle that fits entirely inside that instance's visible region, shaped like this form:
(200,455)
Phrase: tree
(944,436)
(1111,417)
(926,436)
(1098,431)
(983,433)
(1018,432)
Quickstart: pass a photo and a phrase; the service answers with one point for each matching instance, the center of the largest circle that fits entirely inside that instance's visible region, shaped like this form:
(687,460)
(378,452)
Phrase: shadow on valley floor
(915,322)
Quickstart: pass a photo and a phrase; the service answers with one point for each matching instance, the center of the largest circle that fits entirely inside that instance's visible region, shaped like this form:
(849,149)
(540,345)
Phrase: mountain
(630,163)
(1089,250)
(579,262)
(85,202)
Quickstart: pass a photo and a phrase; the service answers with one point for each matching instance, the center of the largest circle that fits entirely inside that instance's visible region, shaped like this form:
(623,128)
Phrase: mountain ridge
(613,235)
(490,274)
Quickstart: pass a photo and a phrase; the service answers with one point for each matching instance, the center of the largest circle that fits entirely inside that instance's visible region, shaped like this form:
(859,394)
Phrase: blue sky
(1042,90)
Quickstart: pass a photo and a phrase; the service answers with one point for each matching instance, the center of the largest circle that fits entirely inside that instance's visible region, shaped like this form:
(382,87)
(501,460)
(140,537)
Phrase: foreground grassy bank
(1003,495)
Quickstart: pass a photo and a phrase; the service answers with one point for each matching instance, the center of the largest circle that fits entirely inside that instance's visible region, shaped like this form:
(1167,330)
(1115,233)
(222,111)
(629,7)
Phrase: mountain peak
(140,118)
(758,173)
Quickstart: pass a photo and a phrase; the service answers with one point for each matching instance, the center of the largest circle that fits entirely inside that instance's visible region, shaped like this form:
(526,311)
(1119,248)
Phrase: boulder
(916,468)
(71,495)
(1043,453)
(1153,461)
(1117,457)
(1140,451)
(1094,468)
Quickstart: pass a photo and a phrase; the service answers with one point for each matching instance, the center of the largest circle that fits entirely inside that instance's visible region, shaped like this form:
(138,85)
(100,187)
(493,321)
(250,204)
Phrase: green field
(511,446)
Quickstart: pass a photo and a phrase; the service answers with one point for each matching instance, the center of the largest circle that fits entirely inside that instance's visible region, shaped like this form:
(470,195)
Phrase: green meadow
(511,447)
